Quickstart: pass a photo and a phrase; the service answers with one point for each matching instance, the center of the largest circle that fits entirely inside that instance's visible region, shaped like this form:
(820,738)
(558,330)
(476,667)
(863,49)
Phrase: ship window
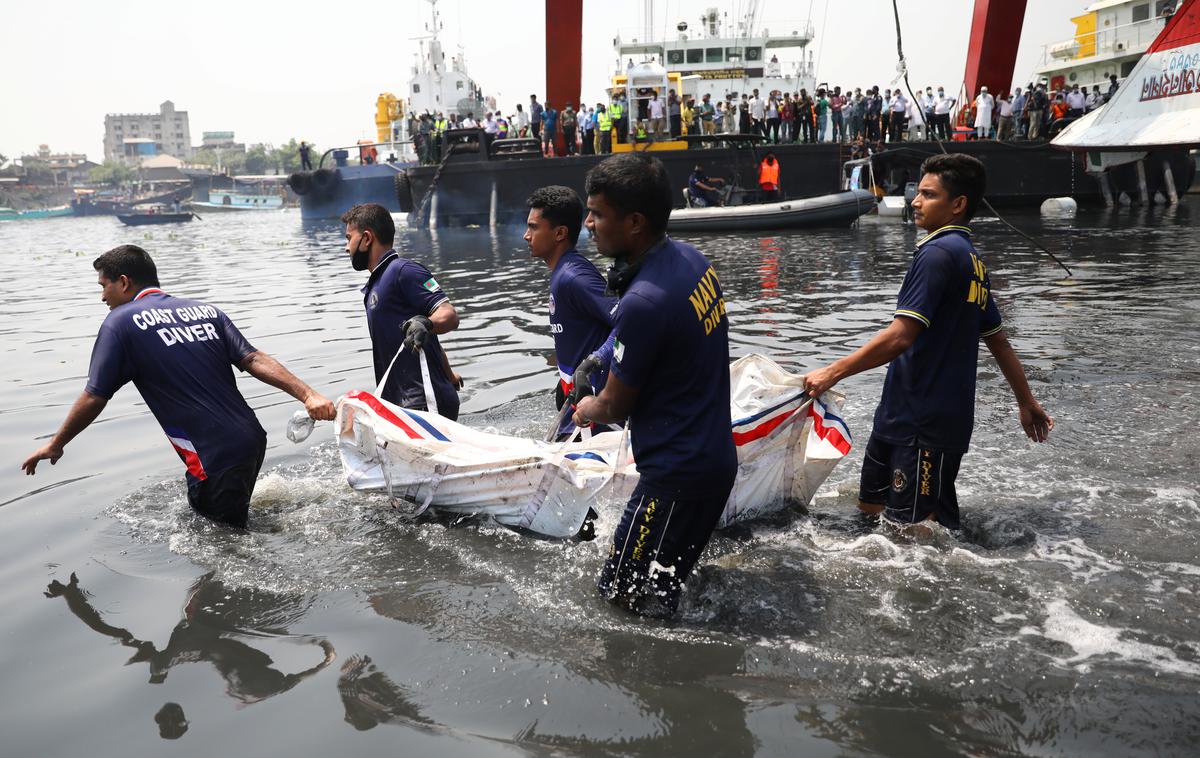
(458,85)
(713,55)
(675,56)
(1164,6)
(1141,12)
(754,53)
(416,88)
(733,53)
(695,55)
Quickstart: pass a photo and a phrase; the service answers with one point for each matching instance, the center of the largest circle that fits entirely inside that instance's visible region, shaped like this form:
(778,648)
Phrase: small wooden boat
(8,214)
(143,219)
(838,209)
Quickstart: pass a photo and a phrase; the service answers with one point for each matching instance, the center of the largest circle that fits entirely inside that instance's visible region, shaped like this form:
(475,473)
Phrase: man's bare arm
(882,348)
(85,410)
(270,371)
(1034,420)
(613,404)
(444,318)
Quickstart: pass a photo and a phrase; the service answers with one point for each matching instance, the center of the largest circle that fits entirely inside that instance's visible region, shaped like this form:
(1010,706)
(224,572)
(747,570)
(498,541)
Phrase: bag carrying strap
(426,381)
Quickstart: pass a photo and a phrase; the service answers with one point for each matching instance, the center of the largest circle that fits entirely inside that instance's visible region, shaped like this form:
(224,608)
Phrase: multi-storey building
(131,137)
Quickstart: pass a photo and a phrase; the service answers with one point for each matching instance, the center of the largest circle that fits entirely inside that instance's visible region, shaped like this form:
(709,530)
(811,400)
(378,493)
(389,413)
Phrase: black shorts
(225,495)
(654,549)
(912,483)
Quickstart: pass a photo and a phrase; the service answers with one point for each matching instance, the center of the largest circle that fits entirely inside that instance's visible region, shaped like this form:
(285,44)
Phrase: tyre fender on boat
(404,199)
(300,182)
(324,180)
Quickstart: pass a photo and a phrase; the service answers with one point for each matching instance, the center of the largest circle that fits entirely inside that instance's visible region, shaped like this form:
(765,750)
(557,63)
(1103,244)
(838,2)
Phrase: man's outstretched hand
(818,381)
(1035,421)
(49,451)
(319,407)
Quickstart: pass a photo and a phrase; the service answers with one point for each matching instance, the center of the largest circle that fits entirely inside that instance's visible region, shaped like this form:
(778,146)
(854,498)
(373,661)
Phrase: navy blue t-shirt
(397,290)
(673,346)
(178,353)
(581,318)
(929,393)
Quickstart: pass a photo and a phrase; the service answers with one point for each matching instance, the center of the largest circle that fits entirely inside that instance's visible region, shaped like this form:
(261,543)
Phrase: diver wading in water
(178,353)
(945,307)
(669,378)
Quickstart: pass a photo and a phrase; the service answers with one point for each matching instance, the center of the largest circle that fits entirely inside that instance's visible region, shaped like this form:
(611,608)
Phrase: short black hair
(374,218)
(961,175)
(634,182)
(560,206)
(130,261)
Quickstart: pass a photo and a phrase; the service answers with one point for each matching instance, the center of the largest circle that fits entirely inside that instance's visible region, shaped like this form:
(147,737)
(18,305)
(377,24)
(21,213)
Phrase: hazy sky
(270,71)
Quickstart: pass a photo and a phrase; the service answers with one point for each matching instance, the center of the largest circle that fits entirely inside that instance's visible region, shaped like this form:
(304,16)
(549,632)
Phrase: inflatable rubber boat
(837,209)
(787,444)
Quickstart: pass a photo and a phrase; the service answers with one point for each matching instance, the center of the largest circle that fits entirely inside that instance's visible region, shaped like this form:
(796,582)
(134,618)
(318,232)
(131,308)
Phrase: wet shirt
(581,317)
(397,290)
(929,393)
(672,344)
(179,354)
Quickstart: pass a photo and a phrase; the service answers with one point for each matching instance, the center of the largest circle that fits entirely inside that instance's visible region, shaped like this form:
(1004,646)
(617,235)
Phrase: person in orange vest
(768,179)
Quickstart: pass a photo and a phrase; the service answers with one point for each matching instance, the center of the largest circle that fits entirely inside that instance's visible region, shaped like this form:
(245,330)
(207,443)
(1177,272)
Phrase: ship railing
(394,146)
(1110,41)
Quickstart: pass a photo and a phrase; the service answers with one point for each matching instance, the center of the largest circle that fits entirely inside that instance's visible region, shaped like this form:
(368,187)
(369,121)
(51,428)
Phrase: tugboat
(371,172)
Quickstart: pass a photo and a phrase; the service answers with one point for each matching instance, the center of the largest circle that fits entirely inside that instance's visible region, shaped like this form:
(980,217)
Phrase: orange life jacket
(768,175)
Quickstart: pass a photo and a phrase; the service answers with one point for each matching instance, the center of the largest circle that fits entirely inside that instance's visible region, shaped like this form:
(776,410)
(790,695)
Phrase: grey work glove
(416,332)
(582,379)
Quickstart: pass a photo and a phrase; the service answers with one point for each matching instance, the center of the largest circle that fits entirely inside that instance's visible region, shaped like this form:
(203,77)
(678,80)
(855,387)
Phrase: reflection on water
(1063,619)
(217,626)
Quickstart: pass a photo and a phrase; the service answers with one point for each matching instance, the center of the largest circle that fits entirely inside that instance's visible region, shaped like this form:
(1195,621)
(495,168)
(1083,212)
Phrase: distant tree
(257,159)
(112,173)
(229,161)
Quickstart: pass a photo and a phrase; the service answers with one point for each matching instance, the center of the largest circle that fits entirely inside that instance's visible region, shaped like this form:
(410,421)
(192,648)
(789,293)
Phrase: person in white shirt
(984,105)
(469,122)
(1076,101)
(898,106)
(522,121)
(657,117)
(942,106)
(1094,99)
(758,115)
(916,120)
(1004,130)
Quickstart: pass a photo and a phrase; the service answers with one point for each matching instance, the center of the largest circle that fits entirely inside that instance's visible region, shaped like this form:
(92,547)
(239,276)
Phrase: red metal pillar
(564,55)
(992,53)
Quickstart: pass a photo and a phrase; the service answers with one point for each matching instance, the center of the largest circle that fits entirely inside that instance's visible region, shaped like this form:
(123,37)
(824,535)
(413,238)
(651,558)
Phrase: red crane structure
(992,51)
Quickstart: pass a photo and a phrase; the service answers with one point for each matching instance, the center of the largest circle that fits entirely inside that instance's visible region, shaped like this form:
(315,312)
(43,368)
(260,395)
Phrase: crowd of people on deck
(864,115)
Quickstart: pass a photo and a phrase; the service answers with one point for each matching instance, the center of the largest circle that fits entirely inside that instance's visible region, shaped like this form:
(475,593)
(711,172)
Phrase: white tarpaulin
(787,444)
(1158,104)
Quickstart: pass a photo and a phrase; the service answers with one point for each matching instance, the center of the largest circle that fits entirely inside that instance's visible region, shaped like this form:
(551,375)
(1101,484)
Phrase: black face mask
(360,259)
